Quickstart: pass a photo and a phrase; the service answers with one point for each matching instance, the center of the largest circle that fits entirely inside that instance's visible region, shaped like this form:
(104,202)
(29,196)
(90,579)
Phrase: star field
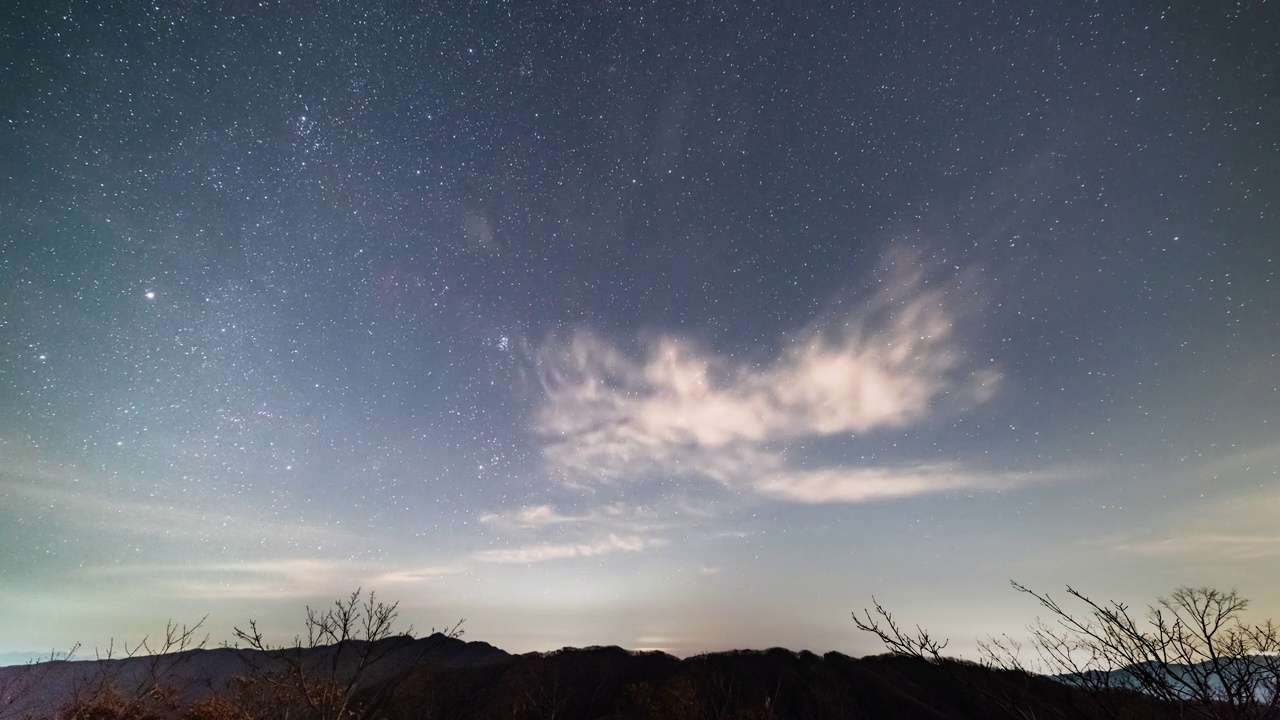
(685,327)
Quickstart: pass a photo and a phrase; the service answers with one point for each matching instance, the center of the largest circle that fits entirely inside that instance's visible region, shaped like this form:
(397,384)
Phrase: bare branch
(327,674)
(919,645)
(1190,649)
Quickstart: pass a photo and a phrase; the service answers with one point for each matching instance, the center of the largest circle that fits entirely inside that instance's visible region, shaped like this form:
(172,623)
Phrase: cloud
(865,484)
(613,517)
(609,528)
(269,578)
(171,545)
(535,516)
(88,505)
(413,576)
(1232,525)
(1209,547)
(894,360)
(254,579)
(542,552)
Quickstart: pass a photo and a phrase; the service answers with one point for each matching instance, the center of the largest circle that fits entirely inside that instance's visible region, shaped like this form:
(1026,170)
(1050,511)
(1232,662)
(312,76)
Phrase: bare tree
(898,640)
(20,685)
(1191,650)
(137,683)
(330,673)
(1013,695)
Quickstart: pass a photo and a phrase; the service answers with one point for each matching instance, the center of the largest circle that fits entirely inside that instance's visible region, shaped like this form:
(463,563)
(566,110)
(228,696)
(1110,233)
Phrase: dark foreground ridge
(613,683)
(439,677)
(42,689)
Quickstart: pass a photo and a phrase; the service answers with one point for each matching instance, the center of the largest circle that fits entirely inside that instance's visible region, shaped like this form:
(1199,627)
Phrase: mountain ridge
(442,677)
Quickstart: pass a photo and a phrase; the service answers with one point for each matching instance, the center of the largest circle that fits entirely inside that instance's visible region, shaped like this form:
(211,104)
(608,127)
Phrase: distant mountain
(1180,679)
(778,684)
(42,688)
(439,677)
(21,658)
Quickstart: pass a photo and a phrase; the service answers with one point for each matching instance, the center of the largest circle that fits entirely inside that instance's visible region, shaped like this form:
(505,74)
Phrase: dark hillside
(42,688)
(613,683)
(447,679)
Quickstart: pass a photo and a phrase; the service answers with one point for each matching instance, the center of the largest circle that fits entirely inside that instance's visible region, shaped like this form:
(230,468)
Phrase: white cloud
(535,516)
(542,552)
(254,579)
(609,528)
(1209,547)
(86,505)
(412,576)
(270,578)
(613,517)
(1232,526)
(865,484)
(678,410)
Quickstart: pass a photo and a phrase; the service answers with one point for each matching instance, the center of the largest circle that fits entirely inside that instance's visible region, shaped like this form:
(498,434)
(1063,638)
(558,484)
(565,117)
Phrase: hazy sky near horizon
(683,326)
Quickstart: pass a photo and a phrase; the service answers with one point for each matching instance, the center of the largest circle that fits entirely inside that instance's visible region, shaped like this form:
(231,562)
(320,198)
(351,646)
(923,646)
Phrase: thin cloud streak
(414,576)
(166,520)
(613,517)
(544,552)
(1236,525)
(534,516)
(1208,547)
(868,484)
(285,577)
(258,579)
(611,528)
(85,501)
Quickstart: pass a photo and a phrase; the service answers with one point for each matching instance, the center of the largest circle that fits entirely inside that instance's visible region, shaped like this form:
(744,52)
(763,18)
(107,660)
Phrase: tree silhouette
(329,673)
(146,690)
(1190,650)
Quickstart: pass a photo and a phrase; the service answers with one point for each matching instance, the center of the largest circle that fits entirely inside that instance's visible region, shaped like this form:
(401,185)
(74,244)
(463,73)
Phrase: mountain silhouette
(442,677)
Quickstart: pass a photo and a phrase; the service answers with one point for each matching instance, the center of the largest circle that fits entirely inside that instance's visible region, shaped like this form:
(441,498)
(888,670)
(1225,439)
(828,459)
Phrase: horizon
(686,328)
(23,660)
(8,660)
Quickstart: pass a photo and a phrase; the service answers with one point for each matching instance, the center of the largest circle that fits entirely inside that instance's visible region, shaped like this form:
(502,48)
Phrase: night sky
(687,326)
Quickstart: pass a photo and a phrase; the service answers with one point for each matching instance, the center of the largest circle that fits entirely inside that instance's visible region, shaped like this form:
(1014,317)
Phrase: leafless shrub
(327,674)
(1190,650)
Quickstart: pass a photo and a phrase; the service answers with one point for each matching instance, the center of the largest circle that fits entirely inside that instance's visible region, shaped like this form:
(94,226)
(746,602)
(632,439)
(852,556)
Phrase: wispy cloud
(413,576)
(270,578)
(1208,547)
(535,516)
(610,528)
(616,516)
(254,579)
(865,484)
(893,360)
(542,552)
(88,504)
(1232,525)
